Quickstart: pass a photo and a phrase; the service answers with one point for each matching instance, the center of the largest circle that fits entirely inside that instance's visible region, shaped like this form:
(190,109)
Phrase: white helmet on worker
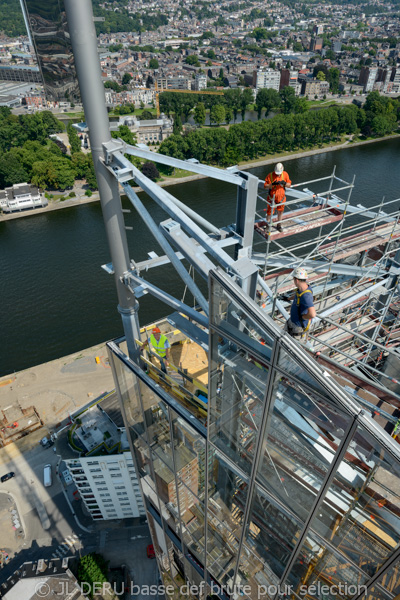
(300,273)
(278,168)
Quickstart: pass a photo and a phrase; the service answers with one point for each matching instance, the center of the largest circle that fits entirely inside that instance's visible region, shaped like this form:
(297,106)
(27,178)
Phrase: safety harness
(298,296)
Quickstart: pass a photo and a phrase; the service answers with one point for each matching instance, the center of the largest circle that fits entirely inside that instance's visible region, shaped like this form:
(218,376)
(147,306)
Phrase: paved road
(62,536)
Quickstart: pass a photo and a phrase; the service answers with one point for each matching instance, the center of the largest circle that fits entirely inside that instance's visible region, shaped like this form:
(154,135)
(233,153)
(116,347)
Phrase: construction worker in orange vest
(159,346)
(276,182)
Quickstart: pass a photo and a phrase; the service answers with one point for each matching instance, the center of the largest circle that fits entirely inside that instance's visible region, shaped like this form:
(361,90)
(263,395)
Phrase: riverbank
(169,181)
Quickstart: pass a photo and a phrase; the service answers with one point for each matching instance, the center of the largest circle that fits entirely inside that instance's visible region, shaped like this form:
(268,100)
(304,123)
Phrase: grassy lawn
(286,153)
(70,115)
(177,174)
(313,103)
(136,112)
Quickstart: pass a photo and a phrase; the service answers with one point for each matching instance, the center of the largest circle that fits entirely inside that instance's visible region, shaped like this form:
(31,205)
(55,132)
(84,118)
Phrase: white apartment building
(267,79)
(200,82)
(21,196)
(96,452)
(369,85)
(108,485)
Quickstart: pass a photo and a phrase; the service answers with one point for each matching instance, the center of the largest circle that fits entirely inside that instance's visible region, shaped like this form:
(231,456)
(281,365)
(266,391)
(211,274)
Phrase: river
(57,300)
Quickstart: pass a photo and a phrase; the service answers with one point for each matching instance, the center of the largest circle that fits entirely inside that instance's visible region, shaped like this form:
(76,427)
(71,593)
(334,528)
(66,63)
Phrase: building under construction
(269,466)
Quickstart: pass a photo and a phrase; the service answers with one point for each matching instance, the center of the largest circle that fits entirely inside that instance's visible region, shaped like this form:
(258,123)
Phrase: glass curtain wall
(291,491)
(49,33)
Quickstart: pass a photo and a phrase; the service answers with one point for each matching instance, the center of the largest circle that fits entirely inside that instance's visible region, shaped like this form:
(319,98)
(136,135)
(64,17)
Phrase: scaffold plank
(299,221)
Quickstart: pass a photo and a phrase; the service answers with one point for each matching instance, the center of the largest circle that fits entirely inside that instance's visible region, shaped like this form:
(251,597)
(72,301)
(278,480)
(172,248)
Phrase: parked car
(47,476)
(7,476)
(150,551)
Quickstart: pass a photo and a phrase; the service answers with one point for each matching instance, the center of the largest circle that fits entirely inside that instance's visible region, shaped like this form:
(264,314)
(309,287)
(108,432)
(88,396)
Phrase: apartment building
(178,82)
(96,452)
(289,78)
(268,78)
(313,87)
(200,82)
(107,485)
(367,78)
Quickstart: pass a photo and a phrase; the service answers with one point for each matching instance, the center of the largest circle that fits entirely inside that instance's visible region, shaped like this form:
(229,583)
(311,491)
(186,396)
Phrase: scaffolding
(351,256)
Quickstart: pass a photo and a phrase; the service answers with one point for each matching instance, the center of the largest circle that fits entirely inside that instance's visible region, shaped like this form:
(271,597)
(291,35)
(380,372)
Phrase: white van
(47,476)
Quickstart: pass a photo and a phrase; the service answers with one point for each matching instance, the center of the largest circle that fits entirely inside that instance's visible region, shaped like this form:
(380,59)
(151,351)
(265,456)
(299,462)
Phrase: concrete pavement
(57,388)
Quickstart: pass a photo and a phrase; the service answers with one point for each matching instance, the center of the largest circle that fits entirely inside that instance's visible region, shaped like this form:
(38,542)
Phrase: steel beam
(193,252)
(351,299)
(245,210)
(132,281)
(195,167)
(176,263)
(317,266)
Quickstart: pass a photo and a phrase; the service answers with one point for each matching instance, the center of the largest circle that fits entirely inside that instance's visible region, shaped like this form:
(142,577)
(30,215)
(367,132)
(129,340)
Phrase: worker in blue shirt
(302,311)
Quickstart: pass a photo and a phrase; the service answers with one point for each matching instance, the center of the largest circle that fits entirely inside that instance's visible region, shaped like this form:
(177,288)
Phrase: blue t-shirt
(306,301)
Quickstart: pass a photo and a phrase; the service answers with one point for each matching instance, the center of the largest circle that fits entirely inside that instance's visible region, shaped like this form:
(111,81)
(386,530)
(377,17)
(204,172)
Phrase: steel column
(84,44)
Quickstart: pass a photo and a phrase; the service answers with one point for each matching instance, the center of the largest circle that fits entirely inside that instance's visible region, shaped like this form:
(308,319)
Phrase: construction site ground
(55,390)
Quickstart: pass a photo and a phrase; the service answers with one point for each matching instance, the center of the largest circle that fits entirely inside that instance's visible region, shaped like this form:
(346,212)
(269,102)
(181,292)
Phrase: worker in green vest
(159,346)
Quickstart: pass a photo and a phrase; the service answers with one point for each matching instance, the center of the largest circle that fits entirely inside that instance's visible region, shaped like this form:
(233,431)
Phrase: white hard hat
(279,169)
(300,273)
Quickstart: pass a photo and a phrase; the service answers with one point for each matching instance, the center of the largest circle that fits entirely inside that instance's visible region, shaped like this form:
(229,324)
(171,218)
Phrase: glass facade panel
(271,536)
(239,372)
(232,318)
(377,593)
(237,409)
(129,389)
(187,440)
(301,438)
(227,494)
(222,551)
(49,32)
(391,579)
(292,367)
(320,572)
(360,514)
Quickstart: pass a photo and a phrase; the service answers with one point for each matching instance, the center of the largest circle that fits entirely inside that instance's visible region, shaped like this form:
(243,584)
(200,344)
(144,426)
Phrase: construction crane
(158,92)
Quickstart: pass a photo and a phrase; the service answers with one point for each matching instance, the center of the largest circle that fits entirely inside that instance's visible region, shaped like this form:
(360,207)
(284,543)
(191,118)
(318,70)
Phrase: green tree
(288,98)
(210,53)
(200,114)
(192,60)
(228,114)
(92,569)
(297,47)
(146,115)
(125,134)
(56,173)
(73,138)
(153,63)
(217,114)
(80,164)
(11,170)
(177,128)
(126,79)
(259,33)
(246,98)
(333,78)
(90,174)
(267,98)
(321,76)
(150,170)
